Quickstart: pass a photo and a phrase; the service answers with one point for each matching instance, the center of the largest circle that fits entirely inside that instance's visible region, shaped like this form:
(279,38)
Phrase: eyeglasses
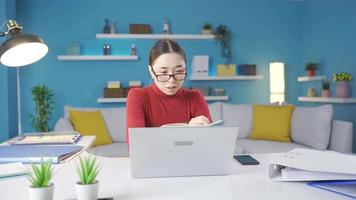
(166,77)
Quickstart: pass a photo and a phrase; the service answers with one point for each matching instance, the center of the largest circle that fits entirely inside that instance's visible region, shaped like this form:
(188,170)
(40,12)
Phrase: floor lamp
(20,50)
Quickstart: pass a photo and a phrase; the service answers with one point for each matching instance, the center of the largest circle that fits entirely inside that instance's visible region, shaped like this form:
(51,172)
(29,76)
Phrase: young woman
(166,101)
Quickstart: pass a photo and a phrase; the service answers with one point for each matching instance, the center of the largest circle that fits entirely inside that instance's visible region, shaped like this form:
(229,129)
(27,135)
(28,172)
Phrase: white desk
(246,182)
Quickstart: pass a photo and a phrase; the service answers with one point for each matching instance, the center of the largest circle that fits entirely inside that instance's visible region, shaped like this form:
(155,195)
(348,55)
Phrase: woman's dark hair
(165,46)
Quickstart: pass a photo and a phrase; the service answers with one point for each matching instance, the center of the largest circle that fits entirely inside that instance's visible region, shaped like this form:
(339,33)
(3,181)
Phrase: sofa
(311,127)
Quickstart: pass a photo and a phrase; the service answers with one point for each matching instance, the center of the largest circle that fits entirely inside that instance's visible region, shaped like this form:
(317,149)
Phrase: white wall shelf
(112,100)
(327,100)
(96,57)
(311,78)
(156,36)
(123,100)
(217,78)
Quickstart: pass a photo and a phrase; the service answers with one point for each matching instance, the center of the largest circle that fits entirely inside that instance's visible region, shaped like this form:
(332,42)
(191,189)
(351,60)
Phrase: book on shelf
(216,123)
(36,153)
(65,137)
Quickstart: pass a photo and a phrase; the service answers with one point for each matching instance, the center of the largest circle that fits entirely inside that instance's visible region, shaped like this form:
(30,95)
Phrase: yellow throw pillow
(272,122)
(91,123)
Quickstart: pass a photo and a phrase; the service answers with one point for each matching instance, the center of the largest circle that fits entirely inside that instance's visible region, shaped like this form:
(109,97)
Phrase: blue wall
(8,111)
(294,32)
(264,31)
(329,38)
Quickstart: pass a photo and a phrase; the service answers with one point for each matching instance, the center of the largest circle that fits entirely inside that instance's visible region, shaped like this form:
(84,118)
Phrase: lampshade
(21,49)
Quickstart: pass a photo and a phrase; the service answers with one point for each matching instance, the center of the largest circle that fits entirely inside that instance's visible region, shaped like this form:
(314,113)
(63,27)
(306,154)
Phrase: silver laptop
(181,151)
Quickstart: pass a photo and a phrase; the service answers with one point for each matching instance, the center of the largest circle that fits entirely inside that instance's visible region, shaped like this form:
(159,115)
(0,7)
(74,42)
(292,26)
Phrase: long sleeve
(135,112)
(200,107)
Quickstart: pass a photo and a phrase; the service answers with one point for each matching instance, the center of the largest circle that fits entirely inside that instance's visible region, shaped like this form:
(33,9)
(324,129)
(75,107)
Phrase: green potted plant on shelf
(40,177)
(207,29)
(43,98)
(343,89)
(223,36)
(87,187)
(325,89)
(310,68)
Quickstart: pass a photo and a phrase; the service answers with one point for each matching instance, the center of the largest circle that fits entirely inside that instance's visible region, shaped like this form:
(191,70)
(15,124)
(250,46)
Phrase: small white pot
(45,193)
(87,192)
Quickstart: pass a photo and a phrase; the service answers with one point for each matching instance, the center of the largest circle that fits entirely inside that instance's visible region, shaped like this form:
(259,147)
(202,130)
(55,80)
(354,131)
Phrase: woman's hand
(199,121)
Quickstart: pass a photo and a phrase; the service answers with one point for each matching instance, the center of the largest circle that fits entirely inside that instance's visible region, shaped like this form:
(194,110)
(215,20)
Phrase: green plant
(41,175)
(311,66)
(207,26)
(326,85)
(43,98)
(223,36)
(343,76)
(87,170)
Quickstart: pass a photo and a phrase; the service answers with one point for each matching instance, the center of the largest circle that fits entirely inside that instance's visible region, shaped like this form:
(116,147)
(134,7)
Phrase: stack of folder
(35,153)
(32,148)
(66,137)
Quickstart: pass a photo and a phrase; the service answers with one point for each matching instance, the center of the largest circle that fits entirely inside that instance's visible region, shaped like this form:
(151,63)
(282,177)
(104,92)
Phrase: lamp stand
(19,128)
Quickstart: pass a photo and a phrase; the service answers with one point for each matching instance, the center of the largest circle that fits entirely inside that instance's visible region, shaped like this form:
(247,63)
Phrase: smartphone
(246,160)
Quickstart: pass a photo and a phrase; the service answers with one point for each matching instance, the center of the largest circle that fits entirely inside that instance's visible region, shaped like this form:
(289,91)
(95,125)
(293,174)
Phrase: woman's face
(165,65)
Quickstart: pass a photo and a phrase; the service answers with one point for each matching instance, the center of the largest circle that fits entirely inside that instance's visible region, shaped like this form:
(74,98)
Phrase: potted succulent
(207,29)
(223,36)
(325,89)
(311,68)
(40,177)
(87,187)
(343,89)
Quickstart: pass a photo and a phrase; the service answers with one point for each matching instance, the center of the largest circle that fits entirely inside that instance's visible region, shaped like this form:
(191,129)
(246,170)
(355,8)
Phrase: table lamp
(20,50)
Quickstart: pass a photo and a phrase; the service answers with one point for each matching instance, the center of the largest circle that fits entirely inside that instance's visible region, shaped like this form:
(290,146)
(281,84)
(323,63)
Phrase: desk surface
(245,182)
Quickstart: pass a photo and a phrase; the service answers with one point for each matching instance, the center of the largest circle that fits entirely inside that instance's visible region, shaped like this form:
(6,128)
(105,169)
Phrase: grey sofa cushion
(311,126)
(117,149)
(264,146)
(239,115)
(215,111)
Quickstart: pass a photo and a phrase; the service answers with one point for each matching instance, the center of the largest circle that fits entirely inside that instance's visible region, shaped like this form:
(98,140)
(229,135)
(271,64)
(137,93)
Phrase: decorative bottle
(133,50)
(106,49)
(166,26)
(106,28)
(113,28)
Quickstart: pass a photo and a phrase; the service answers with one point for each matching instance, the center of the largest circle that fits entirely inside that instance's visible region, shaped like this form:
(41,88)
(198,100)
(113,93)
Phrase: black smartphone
(246,160)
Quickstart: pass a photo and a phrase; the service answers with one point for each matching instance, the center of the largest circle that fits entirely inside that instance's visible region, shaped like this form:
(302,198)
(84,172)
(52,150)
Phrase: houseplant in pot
(207,29)
(223,36)
(40,177)
(325,89)
(343,89)
(43,98)
(310,68)
(87,188)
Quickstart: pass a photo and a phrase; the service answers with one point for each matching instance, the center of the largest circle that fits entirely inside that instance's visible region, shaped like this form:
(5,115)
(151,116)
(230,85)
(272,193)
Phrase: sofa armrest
(341,136)
(63,125)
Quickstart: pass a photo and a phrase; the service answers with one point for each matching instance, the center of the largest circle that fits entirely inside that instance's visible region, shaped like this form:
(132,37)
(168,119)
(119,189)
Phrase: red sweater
(150,107)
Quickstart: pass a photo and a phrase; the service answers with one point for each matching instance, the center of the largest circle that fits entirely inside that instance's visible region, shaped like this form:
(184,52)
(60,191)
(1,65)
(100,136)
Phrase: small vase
(325,93)
(311,92)
(207,31)
(45,193)
(343,89)
(87,192)
(311,73)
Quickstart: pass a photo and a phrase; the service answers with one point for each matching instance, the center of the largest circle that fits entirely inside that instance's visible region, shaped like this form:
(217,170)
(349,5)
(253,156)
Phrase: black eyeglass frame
(169,76)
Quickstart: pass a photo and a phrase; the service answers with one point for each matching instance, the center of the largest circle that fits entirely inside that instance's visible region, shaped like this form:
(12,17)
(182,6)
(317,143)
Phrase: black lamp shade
(21,50)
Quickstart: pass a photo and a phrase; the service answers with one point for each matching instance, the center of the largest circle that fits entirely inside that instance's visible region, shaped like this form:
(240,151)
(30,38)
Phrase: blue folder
(346,187)
(35,153)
